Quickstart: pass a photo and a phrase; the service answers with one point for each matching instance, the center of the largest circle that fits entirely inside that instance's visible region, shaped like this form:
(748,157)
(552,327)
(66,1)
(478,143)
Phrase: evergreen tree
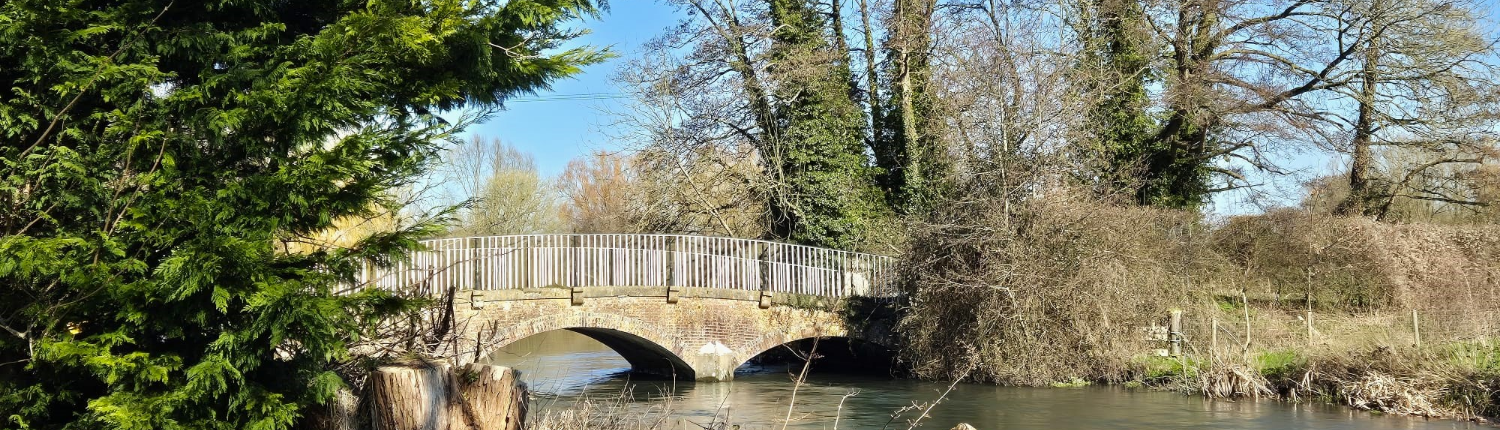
(157,158)
(825,194)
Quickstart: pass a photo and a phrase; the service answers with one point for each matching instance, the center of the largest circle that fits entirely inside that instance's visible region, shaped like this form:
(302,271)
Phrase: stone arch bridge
(690,307)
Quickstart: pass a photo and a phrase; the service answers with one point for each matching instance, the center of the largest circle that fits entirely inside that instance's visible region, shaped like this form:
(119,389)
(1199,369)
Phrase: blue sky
(555,131)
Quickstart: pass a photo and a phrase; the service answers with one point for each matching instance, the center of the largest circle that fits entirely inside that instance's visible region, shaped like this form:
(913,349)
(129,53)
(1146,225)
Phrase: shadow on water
(563,367)
(834,355)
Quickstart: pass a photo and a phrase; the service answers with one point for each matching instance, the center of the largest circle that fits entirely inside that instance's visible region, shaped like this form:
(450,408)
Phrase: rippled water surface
(563,367)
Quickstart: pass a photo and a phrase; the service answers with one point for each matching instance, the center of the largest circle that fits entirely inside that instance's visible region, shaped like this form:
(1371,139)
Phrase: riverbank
(578,383)
(1368,362)
(1290,305)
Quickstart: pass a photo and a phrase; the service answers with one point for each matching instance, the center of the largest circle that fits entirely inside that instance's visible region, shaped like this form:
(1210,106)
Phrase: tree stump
(494,397)
(434,396)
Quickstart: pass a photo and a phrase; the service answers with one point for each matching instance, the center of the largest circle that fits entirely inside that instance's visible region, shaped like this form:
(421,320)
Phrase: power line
(570,97)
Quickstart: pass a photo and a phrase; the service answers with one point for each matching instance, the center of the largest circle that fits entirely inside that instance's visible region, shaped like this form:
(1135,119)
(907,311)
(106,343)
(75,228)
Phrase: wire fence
(1233,332)
(590,260)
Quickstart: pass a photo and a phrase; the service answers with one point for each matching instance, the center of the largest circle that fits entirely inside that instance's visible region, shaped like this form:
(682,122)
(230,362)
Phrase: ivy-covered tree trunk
(1177,172)
(1362,155)
(1115,71)
(872,85)
(166,166)
(911,154)
(824,186)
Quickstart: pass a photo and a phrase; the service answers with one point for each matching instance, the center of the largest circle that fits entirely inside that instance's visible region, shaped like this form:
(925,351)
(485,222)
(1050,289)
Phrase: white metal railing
(586,260)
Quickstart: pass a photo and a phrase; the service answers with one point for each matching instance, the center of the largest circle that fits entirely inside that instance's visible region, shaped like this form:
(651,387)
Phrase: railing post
(575,273)
(670,271)
(474,263)
(844,274)
(766,282)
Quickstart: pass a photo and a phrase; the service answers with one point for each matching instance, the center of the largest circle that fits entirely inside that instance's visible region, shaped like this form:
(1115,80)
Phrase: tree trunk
(909,47)
(1358,201)
(841,45)
(872,79)
(430,396)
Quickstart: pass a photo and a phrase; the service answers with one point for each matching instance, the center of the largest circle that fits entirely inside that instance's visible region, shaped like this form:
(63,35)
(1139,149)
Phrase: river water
(563,368)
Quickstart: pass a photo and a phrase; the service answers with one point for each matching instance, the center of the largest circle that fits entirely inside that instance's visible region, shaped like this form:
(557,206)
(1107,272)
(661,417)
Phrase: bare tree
(599,195)
(706,192)
(1006,96)
(504,191)
(1424,89)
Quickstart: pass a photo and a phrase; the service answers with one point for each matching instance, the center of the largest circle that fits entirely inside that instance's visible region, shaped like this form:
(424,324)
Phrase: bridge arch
(645,346)
(851,351)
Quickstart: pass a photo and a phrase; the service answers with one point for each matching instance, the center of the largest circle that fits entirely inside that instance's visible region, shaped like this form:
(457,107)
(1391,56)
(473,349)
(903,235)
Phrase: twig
(934,403)
(98,72)
(806,363)
(840,413)
(1245,300)
(15,332)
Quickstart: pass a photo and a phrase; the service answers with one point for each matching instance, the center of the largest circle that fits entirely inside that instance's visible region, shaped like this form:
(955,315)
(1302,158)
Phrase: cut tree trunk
(434,396)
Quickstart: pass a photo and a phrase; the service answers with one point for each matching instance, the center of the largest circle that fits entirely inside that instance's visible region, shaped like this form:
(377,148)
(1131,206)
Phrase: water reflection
(563,366)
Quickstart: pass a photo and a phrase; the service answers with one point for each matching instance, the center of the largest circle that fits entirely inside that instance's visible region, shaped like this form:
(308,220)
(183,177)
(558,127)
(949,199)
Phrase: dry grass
(618,413)
(1234,380)
(1409,382)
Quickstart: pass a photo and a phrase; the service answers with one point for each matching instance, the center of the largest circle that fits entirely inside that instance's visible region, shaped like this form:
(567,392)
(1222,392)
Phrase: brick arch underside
(772,341)
(646,347)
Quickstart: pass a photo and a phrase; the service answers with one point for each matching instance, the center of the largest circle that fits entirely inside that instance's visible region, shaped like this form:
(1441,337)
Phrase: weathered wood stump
(435,396)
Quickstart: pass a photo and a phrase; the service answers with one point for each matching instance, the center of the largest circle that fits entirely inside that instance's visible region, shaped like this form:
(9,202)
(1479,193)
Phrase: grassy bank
(1288,305)
(1367,361)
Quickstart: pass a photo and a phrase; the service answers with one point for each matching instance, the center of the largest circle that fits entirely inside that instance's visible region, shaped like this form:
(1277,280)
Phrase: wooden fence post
(1214,343)
(1175,334)
(1416,330)
(1310,340)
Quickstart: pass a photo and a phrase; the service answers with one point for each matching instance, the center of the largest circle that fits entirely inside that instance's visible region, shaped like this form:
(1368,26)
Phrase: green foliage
(1279,364)
(1157,370)
(827,197)
(909,149)
(1150,156)
(1480,356)
(1073,382)
(1116,67)
(1176,175)
(1227,303)
(158,156)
